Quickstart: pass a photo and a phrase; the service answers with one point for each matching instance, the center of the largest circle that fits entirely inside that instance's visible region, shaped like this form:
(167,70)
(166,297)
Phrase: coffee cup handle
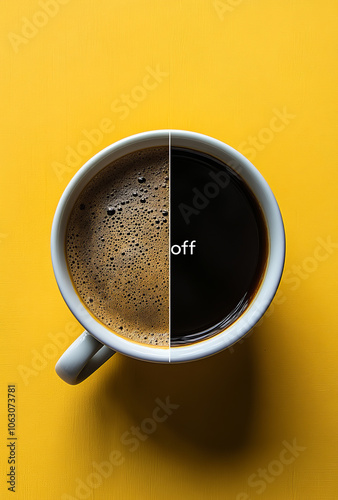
(82,358)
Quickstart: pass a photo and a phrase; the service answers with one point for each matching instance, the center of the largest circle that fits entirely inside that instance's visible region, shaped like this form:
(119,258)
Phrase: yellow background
(228,68)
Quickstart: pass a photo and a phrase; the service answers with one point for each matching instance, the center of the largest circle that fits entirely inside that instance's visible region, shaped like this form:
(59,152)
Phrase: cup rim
(275,260)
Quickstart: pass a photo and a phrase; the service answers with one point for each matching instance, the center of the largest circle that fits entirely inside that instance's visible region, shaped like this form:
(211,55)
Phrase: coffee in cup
(117,246)
(166,255)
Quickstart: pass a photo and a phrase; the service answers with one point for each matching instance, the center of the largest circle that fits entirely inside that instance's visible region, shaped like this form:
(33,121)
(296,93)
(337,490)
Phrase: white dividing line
(169,211)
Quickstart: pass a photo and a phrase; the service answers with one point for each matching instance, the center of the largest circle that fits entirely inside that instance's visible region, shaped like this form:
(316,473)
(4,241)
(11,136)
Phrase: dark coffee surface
(117,246)
(211,205)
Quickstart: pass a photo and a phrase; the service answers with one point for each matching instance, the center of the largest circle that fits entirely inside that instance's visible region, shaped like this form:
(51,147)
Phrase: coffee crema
(117,246)
(119,236)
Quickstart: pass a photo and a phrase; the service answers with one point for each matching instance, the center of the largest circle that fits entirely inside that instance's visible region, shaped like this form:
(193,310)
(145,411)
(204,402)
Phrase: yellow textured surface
(259,75)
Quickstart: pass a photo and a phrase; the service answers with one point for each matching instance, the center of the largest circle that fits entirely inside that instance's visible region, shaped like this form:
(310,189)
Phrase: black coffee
(219,246)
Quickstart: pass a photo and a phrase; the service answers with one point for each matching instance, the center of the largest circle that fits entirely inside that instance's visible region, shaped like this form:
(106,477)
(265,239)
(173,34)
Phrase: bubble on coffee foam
(120,265)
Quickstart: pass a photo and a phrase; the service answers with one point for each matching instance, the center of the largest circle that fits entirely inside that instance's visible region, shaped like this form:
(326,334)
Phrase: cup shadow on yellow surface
(216,397)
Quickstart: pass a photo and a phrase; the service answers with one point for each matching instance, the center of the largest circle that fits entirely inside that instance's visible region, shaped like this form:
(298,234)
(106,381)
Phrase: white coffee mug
(97,344)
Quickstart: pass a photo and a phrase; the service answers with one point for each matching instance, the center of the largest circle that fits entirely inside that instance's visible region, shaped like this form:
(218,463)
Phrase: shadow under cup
(226,246)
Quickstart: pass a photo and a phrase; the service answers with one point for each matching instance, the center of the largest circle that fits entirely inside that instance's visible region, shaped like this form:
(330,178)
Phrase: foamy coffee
(117,246)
